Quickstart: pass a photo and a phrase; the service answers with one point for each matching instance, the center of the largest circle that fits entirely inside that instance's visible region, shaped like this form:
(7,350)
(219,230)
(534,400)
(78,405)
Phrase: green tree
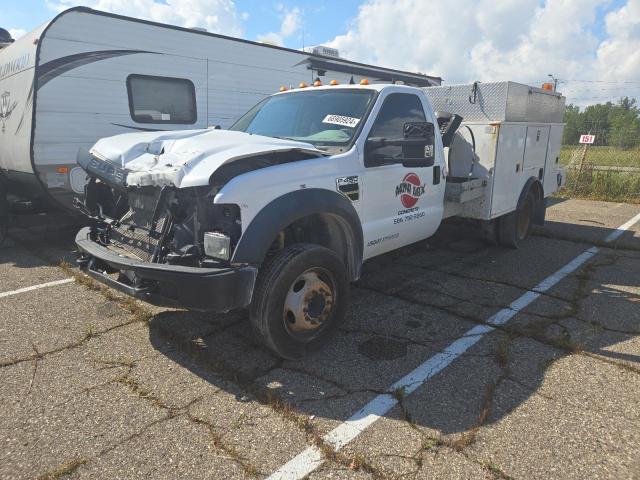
(616,125)
(624,124)
(572,128)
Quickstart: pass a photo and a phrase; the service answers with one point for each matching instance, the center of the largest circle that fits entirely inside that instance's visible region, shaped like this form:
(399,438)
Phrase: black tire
(322,284)
(514,227)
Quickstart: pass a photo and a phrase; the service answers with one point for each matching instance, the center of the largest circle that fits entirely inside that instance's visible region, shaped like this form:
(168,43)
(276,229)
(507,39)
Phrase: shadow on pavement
(430,295)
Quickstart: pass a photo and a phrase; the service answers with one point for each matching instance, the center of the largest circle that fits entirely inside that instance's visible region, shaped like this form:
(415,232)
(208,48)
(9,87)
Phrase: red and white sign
(587,138)
(410,190)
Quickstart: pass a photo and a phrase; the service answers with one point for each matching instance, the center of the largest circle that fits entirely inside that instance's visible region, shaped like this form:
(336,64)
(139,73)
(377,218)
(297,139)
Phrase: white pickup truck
(279,212)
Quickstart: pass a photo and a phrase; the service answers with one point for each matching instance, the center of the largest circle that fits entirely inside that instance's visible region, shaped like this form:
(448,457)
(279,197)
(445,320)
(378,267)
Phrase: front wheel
(299,300)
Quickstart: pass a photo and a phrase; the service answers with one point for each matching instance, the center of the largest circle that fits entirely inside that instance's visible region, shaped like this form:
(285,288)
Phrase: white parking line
(622,228)
(35,287)
(311,458)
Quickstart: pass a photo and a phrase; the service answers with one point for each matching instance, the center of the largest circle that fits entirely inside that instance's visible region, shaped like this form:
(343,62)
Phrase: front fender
(283,211)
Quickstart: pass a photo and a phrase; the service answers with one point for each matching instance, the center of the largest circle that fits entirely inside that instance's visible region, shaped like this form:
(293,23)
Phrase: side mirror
(423,153)
(417,147)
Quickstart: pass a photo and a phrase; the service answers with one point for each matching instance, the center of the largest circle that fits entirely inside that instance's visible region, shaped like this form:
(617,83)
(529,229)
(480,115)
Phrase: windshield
(321,117)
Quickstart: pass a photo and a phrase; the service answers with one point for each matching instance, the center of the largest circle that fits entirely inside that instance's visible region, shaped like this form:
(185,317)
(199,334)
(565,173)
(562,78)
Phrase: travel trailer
(88,74)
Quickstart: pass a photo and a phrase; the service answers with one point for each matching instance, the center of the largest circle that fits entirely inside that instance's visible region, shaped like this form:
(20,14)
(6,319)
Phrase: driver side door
(400,204)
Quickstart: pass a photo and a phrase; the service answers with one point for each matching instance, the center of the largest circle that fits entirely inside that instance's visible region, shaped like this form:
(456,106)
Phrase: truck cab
(279,212)
(374,161)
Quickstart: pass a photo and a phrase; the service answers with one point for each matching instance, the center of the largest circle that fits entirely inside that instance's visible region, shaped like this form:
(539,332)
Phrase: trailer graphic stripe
(140,128)
(26,107)
(311,458)
(57,67)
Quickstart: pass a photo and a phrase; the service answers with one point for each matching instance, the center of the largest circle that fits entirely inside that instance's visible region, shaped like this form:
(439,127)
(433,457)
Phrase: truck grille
(137,234)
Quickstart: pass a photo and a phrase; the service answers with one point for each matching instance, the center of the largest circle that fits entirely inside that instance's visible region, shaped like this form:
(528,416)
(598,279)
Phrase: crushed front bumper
(194,288)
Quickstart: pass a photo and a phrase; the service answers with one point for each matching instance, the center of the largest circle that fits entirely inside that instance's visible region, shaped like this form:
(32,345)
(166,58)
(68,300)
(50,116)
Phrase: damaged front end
(166,245)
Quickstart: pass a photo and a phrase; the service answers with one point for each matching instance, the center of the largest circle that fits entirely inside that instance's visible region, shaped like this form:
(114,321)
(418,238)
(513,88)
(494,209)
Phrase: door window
(397,109)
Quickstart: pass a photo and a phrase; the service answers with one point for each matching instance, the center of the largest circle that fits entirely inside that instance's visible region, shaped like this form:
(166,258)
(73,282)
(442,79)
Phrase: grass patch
(609,186)
(502,351)
(497,471)
(607,156)
(63,470)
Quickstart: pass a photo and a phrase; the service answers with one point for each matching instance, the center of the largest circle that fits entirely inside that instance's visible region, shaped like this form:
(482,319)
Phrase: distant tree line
(614,125)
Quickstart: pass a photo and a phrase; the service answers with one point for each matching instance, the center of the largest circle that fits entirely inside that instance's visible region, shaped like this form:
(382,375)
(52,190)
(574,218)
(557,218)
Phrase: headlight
(217,245)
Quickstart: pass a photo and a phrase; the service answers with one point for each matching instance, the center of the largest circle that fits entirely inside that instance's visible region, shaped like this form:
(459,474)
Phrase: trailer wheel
(514,227)
(299,300)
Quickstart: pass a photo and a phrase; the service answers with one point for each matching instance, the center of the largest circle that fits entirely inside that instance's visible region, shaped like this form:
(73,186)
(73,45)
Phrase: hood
(186,158)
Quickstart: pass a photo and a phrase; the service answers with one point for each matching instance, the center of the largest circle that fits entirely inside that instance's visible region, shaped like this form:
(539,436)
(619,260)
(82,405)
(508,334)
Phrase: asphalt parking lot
(523,372)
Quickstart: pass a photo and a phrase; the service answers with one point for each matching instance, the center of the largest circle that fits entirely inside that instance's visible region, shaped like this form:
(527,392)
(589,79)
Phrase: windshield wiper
(284,138)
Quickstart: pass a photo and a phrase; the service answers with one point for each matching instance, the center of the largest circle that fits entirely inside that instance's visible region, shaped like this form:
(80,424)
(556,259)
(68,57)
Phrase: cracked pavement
(97,386)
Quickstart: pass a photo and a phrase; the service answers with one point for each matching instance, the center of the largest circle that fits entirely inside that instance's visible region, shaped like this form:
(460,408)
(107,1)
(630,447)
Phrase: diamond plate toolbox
(498,102)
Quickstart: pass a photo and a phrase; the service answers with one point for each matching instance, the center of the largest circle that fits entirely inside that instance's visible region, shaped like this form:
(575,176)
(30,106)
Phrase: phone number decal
(408,218)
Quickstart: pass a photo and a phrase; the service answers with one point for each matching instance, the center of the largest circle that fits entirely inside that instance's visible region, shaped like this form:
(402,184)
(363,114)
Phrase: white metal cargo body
(517,133)
(87,75)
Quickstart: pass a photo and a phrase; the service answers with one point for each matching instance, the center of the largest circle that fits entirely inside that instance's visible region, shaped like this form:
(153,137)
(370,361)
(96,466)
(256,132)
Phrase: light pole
(555,82)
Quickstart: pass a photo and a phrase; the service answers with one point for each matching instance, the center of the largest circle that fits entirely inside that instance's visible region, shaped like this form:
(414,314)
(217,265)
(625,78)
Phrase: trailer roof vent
(324,51)
(5,38)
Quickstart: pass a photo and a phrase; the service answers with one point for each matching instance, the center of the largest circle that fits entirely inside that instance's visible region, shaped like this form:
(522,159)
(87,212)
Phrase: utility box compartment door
(550,183)
(508,173)
(535,149)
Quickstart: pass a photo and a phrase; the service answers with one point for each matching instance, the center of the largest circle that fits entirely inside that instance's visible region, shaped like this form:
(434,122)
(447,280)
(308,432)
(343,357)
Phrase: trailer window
(161,99)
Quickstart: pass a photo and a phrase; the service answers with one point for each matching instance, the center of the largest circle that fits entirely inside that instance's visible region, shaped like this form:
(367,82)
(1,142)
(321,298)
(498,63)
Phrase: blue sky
(320,20)
(593,46)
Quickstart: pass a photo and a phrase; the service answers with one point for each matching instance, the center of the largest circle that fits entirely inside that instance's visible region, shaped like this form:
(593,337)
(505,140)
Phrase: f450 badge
(349,187)
(410,190)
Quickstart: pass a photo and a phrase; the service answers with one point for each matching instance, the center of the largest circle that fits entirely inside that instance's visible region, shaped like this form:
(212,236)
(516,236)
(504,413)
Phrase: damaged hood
(186,158)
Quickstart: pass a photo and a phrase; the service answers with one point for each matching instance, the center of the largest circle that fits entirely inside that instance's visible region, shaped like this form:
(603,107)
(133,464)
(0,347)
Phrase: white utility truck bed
(517,132)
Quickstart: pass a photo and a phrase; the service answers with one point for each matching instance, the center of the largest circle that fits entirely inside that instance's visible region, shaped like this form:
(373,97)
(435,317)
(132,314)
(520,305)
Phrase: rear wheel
(299,300)
(514,227)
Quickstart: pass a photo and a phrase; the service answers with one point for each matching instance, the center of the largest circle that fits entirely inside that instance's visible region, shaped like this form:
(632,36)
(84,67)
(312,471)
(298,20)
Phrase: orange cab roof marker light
(302,85)
(333,82)
(364,81)
(317,83)
(283,88)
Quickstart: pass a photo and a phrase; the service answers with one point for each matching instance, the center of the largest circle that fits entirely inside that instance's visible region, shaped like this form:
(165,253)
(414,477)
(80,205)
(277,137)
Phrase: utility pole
(555,82)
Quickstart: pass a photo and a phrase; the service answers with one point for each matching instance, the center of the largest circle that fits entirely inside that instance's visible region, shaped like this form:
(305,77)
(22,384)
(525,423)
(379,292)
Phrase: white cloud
(618,57)
(291,22)
(489,40)
(16,33)
(219,16)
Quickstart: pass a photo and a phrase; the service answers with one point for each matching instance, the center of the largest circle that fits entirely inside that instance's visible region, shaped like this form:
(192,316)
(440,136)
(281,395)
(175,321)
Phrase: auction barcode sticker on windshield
(341,120)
